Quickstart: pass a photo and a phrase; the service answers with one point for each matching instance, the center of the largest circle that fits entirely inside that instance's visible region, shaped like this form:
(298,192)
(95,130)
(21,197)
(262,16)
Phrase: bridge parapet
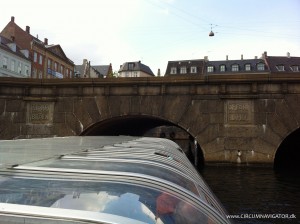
(235,118)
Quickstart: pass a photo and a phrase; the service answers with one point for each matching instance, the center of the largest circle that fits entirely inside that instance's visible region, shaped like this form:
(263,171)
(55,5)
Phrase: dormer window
(193,69)
(260,66)
(210,68)
(235,68)
(130,66)
(183,70)
(173,70)
(280,68)
(222,68)
(247,67)
(295,68)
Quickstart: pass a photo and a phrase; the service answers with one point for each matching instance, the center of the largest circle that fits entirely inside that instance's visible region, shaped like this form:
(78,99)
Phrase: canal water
(255,192)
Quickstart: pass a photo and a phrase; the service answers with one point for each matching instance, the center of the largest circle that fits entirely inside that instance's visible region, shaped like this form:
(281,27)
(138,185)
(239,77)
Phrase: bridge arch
(287,156)
(149,126)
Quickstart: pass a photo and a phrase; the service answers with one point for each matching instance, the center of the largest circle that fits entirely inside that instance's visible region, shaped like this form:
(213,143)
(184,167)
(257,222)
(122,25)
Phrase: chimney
(158,72)
(242,57)
(255,57)
(264,55)
(205,58)
(28,29)
(46,41)
(288,54)
(226,57)
(12,19)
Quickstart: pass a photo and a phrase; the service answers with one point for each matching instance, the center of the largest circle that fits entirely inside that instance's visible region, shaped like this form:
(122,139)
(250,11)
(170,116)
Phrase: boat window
(137,202)
(147,169)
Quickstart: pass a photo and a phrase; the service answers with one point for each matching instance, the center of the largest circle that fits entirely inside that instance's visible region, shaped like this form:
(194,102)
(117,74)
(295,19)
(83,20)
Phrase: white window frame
(34,57)
(183,70)
(210,68)
(260,67)
(5,61)
(222,68)
(247,67)
(173,70)
(27,70)
(235,68)
(295,68)
(19,67)
(193,69)
(41,59)
(12,65)
(280,68)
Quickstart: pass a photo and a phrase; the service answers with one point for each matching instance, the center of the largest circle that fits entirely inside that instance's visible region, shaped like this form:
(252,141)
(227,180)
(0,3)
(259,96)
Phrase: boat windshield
(141,203)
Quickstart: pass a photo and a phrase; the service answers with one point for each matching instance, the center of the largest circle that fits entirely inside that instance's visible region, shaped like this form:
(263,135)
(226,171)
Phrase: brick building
(48,61)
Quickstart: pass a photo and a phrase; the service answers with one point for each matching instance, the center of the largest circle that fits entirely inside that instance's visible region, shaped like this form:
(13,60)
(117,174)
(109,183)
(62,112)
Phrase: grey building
(236,66)
(135,69)
(86,70)
(185,67)
(14,61)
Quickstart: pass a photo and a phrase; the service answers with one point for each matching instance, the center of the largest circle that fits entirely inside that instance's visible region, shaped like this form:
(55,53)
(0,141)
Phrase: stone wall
(233,118)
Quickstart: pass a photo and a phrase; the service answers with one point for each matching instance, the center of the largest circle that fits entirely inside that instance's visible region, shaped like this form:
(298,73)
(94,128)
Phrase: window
(222,68)
(49,63)
(67,73)
(55,66)
(130,66)
(235,68)
(40,74)
(183,70)
(280,67)
(193,69)
(5,59)
(173,70)
(260,66)
(34,73)
(19,68)
(27,70)
(12,65)
(35,57)
(41,59)
(210,68)
(62,69)
(295,68)
(247,67)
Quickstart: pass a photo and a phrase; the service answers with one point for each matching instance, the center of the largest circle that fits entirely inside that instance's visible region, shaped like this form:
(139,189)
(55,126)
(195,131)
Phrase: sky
(157,31)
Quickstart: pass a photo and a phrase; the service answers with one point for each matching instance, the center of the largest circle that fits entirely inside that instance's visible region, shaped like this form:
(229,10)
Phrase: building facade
(185,67)
(236,66)
(14,62)
(265,64)
(86,70)
(282,63)
(48,61)
(135,69)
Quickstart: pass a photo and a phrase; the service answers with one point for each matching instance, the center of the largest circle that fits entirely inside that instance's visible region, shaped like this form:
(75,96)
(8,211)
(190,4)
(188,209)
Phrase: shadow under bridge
(147,126)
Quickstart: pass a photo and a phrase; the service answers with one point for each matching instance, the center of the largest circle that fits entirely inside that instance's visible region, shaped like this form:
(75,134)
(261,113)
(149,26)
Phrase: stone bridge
(241,118)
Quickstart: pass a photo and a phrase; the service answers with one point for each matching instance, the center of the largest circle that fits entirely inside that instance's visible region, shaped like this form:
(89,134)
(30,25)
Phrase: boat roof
(97,179)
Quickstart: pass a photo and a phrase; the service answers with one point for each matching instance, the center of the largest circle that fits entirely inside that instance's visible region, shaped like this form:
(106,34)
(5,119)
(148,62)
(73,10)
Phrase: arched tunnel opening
(287,157)
(147,126)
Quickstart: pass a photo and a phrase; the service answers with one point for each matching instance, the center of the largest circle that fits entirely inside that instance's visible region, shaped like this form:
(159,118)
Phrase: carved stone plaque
(40,112)
(239,112)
